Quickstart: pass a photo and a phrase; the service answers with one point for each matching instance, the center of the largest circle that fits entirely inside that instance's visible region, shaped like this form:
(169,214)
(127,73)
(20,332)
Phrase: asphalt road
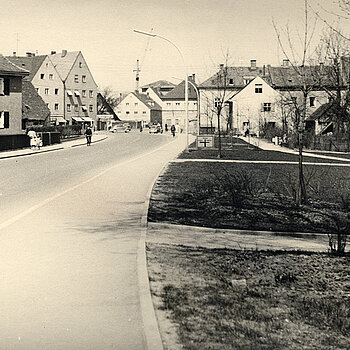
(70,227)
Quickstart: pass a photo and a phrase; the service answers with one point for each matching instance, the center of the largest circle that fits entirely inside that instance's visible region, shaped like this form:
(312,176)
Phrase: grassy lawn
(241,300)
(250,299)
(250,196)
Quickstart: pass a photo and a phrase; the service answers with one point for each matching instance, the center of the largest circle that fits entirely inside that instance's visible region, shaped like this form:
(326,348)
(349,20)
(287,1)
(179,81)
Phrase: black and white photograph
(175,175)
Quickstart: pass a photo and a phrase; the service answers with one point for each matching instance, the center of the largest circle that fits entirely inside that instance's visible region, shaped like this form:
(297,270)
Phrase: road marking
(48,200)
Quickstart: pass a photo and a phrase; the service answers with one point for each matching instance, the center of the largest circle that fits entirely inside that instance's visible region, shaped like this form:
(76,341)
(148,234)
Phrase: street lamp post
(186,78)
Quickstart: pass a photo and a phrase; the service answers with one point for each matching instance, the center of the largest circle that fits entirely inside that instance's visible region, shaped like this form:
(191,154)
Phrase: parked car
(126,127)
(155,129)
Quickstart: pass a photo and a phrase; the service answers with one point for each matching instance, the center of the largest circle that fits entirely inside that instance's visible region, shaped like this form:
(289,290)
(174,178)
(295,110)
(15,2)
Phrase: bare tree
(111,98)
(306,83)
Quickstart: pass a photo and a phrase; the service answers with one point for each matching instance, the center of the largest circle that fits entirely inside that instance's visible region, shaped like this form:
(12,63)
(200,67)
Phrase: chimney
(194,77)
(64,53)
(14,53)
(321,66)
(221,66)
(28,54)
(53,52)
(252,64)
(286,62)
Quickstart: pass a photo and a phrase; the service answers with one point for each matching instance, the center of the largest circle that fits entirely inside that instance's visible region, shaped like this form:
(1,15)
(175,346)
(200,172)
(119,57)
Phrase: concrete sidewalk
(97,137)
(269,146)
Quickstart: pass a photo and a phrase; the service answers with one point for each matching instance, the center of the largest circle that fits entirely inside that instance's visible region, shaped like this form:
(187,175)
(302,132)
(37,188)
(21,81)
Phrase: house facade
(79,87)
(47,82)
(139,109)
(65,83)
(252,97)
(11,77)
(174,108)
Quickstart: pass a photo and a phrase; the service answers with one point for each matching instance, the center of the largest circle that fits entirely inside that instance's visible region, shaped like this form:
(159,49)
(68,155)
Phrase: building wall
(132,109)
(50,87)
(12,103)
(89,100)
(174,114)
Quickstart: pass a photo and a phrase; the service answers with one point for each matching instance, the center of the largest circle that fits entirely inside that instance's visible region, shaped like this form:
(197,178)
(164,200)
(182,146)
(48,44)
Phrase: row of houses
(56,89)
(160,102)
(251,97)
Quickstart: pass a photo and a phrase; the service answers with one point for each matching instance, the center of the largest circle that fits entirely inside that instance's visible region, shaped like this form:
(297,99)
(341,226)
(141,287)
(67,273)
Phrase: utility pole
(137,70)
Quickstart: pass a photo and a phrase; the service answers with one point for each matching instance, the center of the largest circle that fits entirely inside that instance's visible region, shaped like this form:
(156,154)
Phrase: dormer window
(246,81)
(231,81)
(258,88)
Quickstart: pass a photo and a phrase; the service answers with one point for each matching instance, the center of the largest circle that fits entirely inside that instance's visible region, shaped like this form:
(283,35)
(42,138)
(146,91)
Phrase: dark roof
(278,77)
(7,67)
(149,102)
(31,64)
(159,84)
(102,101)
(33,106)
(237,74)
(178,93)
(328,111)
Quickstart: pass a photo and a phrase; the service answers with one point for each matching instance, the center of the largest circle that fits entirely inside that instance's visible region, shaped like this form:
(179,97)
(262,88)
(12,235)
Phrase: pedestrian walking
(38,142)
(173,129)
(88,135)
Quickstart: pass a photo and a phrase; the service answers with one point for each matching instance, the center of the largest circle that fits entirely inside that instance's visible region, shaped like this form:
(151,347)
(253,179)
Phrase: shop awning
(58,120)
(76,93)
(69,93)
(78,119)
(88,119)
(83,108)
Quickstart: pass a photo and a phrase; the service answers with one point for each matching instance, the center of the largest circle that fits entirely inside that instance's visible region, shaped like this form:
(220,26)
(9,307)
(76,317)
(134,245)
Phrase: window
(136,112)
(217,102)
(56,91)
(136,104)
(51,76)
(91,93)
(168,103)
(127,104)
(4,86)
(76,78)
(312,101)
(68,107)
(4,120)
(80,65)
(83,78)
(83,108)
(83,93)
(47,91)
(37,90)
(267,107)
(91,108)
(42,76)
(127,112)
(230,81)
(177,103)
(57,107)
(258,88)
(144,112)
(76,108)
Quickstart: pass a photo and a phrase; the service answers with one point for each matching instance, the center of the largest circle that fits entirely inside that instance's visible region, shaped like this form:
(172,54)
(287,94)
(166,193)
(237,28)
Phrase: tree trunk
(219,154)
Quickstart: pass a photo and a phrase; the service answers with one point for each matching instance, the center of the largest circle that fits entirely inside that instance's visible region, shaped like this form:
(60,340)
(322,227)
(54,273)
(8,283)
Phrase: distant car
(155,129)
(121,128)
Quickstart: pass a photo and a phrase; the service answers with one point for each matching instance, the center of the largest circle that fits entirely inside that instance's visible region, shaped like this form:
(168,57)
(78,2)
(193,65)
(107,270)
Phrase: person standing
(173,129)
(88,135)
(32,135)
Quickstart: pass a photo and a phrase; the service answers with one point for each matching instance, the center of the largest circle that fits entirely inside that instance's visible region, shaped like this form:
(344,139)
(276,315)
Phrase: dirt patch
(244,299)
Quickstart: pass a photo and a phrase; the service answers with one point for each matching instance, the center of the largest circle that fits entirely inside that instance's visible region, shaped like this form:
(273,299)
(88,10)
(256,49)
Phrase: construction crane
(138,66)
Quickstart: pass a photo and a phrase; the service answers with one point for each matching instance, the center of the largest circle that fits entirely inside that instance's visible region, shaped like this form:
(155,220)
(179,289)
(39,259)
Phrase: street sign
(205,141)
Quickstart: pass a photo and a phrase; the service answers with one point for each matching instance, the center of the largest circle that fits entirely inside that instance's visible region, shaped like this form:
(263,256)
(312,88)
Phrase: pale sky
(204,30)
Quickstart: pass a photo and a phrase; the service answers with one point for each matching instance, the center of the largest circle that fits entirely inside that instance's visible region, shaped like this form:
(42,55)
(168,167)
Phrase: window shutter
(6,120)
(6,86)
(262,107)
(1,86)
(272,107)
(1,120)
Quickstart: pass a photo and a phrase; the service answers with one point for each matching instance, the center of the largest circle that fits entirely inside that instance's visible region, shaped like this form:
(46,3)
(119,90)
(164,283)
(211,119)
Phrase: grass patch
(289,300)
(251,196)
